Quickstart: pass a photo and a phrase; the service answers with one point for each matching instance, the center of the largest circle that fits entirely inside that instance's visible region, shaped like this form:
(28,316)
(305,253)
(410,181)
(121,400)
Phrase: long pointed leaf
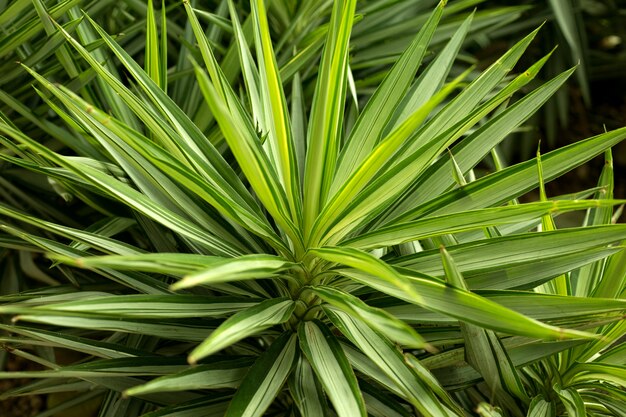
(484,351)
(394,329)
(332,368)
(458,222)
(381,105)
(391,362)
(220,374)
(244,267)
(435,295)
(243,324)
(265,379)
(276,115)
(306,390)
(252,160)
(327,111)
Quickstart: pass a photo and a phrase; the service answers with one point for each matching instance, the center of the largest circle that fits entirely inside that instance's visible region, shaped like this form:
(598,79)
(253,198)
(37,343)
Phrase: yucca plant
(274,254)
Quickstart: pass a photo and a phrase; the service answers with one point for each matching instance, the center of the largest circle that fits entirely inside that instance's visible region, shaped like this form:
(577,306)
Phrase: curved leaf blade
(389,360)
(327,112)
(265,378)
(243,324)
(221,374)
(236,269)
(385,323)
(332,368)
(433,294)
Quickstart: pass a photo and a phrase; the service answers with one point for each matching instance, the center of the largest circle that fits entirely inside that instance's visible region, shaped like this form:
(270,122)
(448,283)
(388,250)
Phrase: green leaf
(512,182)
(53,44)
(462,106)
(332,368)
(62,54)
(582,372)
(364,261)
(75,343)
(614,355)
(589,276)
(472,149)
(433,77)
(191,142)
(373,164)
(119,108)
(487,410)
(237,269)
(135,366)
(394,329)
(366,366)
(484,350)
(306,390)
(571,399)
(537,306)
(245,323)
(30,28)
(163,48)
(155,68)
(252,159)
(137,154)
(218,374)
(574,34)
(172,306)
(217,75)
(380,107)
(13,11)
(90,239)
(211,407)
(138,282)
(551,307)
(388,359)
(380,405)
(266,378)
(416,154)
(324,134)
(165,328)
(610,334)
(485,262)
(176,264)
(539,407)
(611,398)
(434,295)
(611,282)
(466,220)
(433,384)
(306,55)
(249,71)
(277,120)
(453,373)
(120,190)
(466,306)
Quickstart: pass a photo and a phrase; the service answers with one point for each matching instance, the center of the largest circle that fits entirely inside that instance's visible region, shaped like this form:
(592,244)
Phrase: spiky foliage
(291,245)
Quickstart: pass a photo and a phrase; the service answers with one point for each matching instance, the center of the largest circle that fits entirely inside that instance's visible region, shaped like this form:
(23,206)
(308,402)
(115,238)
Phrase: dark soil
(27,406)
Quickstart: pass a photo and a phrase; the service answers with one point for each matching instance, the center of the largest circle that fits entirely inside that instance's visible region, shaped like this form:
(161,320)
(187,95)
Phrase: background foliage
(222,209)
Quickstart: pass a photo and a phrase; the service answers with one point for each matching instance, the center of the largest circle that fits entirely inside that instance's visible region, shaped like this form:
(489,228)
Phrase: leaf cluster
(249,210)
